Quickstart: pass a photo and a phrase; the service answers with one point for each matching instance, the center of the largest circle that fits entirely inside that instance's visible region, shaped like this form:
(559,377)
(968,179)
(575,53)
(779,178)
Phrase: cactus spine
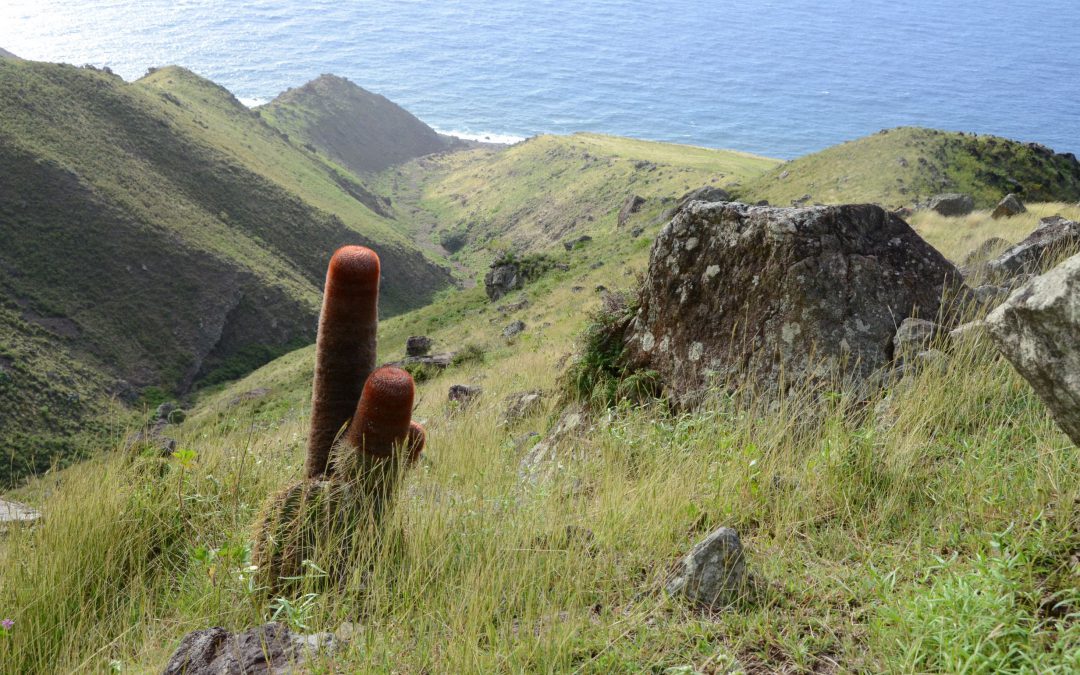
(347,485)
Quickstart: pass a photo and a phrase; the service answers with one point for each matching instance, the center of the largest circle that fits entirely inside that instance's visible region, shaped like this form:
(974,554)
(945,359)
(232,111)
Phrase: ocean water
(779,78)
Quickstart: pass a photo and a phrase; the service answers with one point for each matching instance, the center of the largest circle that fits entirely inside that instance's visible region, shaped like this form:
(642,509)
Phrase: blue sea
(779,78)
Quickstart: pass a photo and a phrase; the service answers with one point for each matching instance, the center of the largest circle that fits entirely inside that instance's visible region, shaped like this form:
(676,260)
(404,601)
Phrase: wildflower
(7,624)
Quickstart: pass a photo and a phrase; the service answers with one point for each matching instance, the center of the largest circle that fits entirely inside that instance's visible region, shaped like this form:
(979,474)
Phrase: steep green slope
(365,132)
(536,193)
(169,237)
(901,166)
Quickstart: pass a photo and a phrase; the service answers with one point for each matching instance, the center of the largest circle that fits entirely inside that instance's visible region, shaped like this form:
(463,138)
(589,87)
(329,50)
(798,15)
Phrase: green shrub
(470,353)
(598,376)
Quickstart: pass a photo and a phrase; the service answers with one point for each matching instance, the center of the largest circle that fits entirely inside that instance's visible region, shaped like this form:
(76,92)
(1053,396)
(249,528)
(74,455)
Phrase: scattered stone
(464,394)
(562,267)
(984,252)
(270,649)
(543,457)
(522,404)
(601,288)
(631,205)
(903,212)
(152,437)
(761,202)
(514,329)
(952,204)
(502,278)
(14,512)
(637,231)
(571,244)
(713,574)
(417,345)
(1008,207)
(511,307)
(764,295)
(1036,330)
(801,201)
(707,193)
(913,336)
(1054,236)
(596,265)
(576,289)
(440,361)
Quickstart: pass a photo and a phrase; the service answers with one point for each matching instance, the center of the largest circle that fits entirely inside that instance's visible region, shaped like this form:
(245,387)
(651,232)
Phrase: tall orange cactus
(345,348)
(347,482)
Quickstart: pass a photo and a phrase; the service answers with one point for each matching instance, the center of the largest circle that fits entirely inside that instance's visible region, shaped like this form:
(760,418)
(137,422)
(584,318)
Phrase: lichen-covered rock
(270,649)
(514,329)
(1055,236)
(952,204)
(1008,207)
(713,574)
(1037,329)
(502,279)
(778,295)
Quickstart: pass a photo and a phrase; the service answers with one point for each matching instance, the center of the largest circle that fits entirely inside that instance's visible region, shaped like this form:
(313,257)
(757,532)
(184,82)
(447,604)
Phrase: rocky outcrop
(271,649)
(417,345)
(574,242)
(951,204)
(774,296)
(514,329)
(631,205)
(713,574)
(1053,237)
(1037,329)
(503,278)
(463,394)
(14,512)
(1008,207)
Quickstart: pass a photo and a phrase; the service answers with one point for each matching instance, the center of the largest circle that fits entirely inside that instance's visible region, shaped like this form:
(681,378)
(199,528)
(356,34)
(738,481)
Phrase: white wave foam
(484,136)
(253,102)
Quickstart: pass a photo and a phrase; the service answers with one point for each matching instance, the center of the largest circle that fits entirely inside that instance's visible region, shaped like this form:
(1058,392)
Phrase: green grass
(901,166)
(935,532)
(537,193)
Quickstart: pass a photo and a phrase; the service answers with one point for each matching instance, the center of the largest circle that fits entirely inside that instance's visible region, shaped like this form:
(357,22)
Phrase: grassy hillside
(362,131)
(933,533)
(541,191)
(904,165)
(163,235)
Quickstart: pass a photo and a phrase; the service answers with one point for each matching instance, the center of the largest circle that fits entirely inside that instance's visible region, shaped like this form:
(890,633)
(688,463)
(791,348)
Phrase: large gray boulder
(713,574)
(1053,237)
(952,204)
(1008,207)
(772,296)
(1037,329)
(270,649)
(503,278)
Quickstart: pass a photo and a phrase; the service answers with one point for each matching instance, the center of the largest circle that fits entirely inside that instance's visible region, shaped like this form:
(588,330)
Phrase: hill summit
(363,131)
